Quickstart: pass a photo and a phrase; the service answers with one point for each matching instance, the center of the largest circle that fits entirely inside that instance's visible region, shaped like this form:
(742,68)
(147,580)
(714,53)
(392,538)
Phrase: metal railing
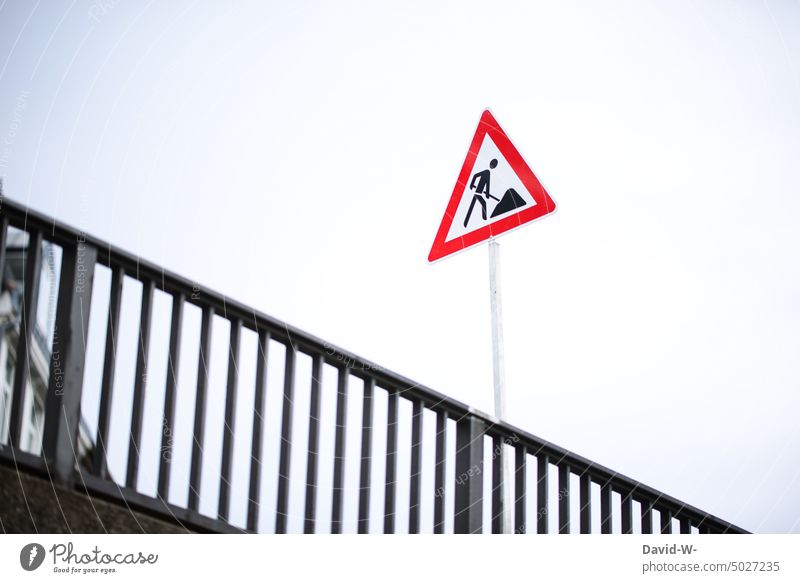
(536,462)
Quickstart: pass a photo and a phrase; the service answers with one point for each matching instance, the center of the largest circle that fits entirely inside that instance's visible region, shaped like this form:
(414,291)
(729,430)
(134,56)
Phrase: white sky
(299,156)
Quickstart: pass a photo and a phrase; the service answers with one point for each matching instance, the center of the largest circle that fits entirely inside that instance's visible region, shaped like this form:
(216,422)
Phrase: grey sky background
(298,157)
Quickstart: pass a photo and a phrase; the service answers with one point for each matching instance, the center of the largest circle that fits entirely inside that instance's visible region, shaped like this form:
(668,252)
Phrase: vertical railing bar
(627,513)
(254,498)
(647,517)
(520,488)
(470,432)
(313,445)
(391,463)
(686,526)
(339,450)
(173,364)
(605,508)
(666,522)
(563,498)
(416,453)
(203,362)
(586,503)
(366,457)
(99,458)
(139,384)
(439,472)
(68,361)
(284,465)
(230,420)
(497,485)
(542,493)
(33,260)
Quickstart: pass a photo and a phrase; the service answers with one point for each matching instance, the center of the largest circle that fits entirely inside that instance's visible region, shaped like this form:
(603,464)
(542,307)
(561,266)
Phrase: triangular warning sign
(496,191)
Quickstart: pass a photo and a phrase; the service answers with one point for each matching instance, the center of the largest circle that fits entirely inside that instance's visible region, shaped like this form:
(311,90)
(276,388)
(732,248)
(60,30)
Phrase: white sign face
(494,192)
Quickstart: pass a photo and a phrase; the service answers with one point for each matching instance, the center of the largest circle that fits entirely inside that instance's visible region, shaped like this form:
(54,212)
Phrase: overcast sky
(298,157)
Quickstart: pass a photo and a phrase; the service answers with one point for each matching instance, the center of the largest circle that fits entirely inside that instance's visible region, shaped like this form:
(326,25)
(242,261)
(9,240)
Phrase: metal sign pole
(499,375)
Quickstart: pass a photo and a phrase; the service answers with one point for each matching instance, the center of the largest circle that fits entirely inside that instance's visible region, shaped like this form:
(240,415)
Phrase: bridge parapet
(450,478)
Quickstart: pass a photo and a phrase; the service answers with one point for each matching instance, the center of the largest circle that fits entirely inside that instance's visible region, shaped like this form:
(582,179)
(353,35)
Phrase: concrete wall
(30,504)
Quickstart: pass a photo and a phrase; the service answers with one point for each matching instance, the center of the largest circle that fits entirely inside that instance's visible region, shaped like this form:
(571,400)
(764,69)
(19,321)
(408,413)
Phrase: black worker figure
(482,187)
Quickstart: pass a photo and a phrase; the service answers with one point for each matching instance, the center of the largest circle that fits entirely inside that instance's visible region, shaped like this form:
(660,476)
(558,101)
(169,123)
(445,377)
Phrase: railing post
(627,513)
(203,360)
(586,503)
(416,468)
(139,385)
(469,475)
(168,423)
(563,498)
(339,451)
(441,452)
(63,404)
(391,463)
(313,445)
(366,457)
(605,508)
(254,502)
(229,429)
(498,504)
(542,490)
(285,460)
(99,460)
(520,489)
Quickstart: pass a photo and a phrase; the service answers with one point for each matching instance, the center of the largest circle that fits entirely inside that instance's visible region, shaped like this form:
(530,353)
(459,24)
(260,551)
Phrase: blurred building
(13,289)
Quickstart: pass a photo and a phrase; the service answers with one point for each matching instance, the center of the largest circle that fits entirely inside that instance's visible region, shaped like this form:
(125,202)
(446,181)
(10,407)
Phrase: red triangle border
(544,203)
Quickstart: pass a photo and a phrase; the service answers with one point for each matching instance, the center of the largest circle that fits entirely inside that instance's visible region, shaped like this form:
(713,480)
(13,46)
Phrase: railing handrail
(172,283)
